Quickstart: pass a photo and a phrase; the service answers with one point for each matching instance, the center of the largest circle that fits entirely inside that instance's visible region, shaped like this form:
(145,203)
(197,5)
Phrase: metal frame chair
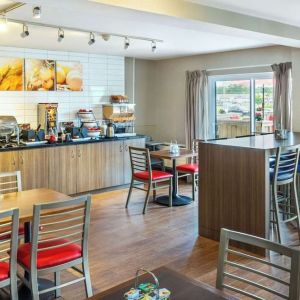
(237,276)
(66,224)
(283,177)
(17,182)
(8,249)
(141,171)
(189,170)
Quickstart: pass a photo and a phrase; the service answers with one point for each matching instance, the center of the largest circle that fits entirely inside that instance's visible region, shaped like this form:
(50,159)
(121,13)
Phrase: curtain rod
(234,68)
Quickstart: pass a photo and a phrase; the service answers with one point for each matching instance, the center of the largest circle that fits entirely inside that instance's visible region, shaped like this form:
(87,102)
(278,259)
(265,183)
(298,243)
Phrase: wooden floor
(123,240)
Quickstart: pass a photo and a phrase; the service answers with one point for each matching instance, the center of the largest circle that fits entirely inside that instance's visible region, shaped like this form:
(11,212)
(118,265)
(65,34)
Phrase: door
(112,157)
(9,161)
(127,167)
(88,167)
(62,169)
(34,168)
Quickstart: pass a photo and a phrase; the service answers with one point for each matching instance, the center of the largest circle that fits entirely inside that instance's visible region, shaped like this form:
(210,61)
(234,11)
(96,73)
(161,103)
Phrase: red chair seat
(4,270)
(156,175)
(51,257)
(190,168)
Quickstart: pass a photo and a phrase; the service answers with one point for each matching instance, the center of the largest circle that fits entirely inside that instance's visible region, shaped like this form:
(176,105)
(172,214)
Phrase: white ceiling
(285,11)
(181,37)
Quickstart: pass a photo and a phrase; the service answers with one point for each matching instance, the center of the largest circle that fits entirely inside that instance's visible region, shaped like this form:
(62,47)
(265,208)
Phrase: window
(241,104)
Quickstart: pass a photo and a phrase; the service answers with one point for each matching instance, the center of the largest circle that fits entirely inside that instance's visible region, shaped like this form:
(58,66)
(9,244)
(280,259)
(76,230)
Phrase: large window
(241,104)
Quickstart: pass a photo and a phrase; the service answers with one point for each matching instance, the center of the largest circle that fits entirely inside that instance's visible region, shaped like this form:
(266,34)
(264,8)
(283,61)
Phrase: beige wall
(160,86)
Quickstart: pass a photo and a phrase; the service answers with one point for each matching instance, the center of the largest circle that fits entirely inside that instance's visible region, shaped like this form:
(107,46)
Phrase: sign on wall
(39,74)
(11,74)
(69,76)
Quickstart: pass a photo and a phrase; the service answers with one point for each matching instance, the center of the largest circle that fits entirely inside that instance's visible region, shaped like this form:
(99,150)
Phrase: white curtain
(282,95)
(196,123)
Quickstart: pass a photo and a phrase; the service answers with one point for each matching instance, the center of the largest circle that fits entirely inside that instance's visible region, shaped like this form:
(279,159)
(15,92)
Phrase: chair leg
(296,205)
(87,281)
(57,283)
(154,191)
(14,288)
(34,285)
(129,193)
(170,192)
(194,186)
(147,198)
(276,208)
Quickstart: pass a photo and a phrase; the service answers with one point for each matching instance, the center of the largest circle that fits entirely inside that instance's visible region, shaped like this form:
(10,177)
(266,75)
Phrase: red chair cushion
(4,270)
(51,257)
(190,168)
(156,175)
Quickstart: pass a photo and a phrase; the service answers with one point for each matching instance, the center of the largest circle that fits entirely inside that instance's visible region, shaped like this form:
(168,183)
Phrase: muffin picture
(11,74)
(69,76)
(39,75)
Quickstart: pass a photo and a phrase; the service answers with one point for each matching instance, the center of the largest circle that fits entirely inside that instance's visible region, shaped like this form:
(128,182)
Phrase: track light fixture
(37,12)
(60,35)
(25,32)
(153,46)
(126,43)
(3,23)
(92,39)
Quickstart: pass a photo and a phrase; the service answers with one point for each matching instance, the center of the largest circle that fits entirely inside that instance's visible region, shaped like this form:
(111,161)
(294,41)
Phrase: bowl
(89,124)
(94,133)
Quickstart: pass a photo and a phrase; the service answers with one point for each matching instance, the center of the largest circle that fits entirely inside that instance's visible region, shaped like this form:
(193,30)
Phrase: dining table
(24,201)
(177,200)
(180,286)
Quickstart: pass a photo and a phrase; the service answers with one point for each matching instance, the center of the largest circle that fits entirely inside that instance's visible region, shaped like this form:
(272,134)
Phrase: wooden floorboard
(123,240)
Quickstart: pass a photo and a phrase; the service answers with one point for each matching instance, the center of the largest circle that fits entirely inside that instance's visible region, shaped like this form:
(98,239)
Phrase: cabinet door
(34,168)
(127,168)
(88,167)
(62,169)
(9,161)
(112,157)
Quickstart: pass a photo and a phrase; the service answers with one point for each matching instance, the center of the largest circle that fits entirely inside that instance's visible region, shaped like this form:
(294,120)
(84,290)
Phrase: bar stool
(8,253)
(142,172)
(284,189)
(190,169)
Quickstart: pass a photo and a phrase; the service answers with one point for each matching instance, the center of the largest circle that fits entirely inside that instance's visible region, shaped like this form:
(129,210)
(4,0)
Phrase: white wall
(102,76)
(165,98)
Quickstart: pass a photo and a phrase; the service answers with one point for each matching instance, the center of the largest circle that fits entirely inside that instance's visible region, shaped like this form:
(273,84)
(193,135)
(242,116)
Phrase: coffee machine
(48,116)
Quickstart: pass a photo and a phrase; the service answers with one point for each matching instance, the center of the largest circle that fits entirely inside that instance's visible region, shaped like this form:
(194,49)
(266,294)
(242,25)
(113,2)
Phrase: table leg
(177,200)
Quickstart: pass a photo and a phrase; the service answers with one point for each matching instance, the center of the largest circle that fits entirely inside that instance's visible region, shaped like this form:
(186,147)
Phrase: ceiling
(181,37)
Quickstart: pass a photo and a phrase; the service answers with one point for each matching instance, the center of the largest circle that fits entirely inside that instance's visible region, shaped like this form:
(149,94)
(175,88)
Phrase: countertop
(260,142)
(101,140)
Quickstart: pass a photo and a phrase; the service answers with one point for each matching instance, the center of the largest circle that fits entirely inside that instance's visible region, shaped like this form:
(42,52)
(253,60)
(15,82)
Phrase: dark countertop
(101,140)
(259,142)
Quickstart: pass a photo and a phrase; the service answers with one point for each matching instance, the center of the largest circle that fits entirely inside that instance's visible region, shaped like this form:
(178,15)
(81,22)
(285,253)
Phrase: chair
(231,274)
(283,172)
(142,173)
(63,244)
(190,169)
(8,251)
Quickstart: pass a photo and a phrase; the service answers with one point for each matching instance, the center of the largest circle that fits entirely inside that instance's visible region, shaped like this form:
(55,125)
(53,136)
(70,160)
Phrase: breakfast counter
(235,184)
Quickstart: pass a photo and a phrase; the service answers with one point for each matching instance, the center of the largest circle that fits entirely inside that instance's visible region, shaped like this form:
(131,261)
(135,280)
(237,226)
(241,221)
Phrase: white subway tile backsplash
(103,75)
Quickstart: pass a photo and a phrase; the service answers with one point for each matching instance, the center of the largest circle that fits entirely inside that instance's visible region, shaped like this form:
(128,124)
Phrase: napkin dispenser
(77,132)
(33,135)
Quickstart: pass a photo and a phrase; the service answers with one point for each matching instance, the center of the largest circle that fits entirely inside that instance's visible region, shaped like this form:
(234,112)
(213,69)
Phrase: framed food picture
(39,74)
(69,76)
(11,74)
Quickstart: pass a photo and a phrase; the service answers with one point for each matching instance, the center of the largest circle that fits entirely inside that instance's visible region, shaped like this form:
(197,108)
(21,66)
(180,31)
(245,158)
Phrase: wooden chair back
(240,277)
(64,220)
(140,160)
(10,182)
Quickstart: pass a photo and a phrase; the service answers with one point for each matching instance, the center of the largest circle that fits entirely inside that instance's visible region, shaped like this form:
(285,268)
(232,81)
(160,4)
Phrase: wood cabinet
(9,161)
(63,169)
(33,165)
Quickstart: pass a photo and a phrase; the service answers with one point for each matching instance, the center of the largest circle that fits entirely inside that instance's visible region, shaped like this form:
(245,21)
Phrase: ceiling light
(60,35)
(37,12)
(3,23)
(153,46)
(126,43)
(105,36)
(92,39)
(25,31)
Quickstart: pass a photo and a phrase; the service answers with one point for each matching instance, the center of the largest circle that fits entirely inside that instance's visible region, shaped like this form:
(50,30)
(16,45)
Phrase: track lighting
(25,31)
(37,12)
(126,43)
(60,35)
(153,46)
(105,36)
(3,23)
(92,39)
